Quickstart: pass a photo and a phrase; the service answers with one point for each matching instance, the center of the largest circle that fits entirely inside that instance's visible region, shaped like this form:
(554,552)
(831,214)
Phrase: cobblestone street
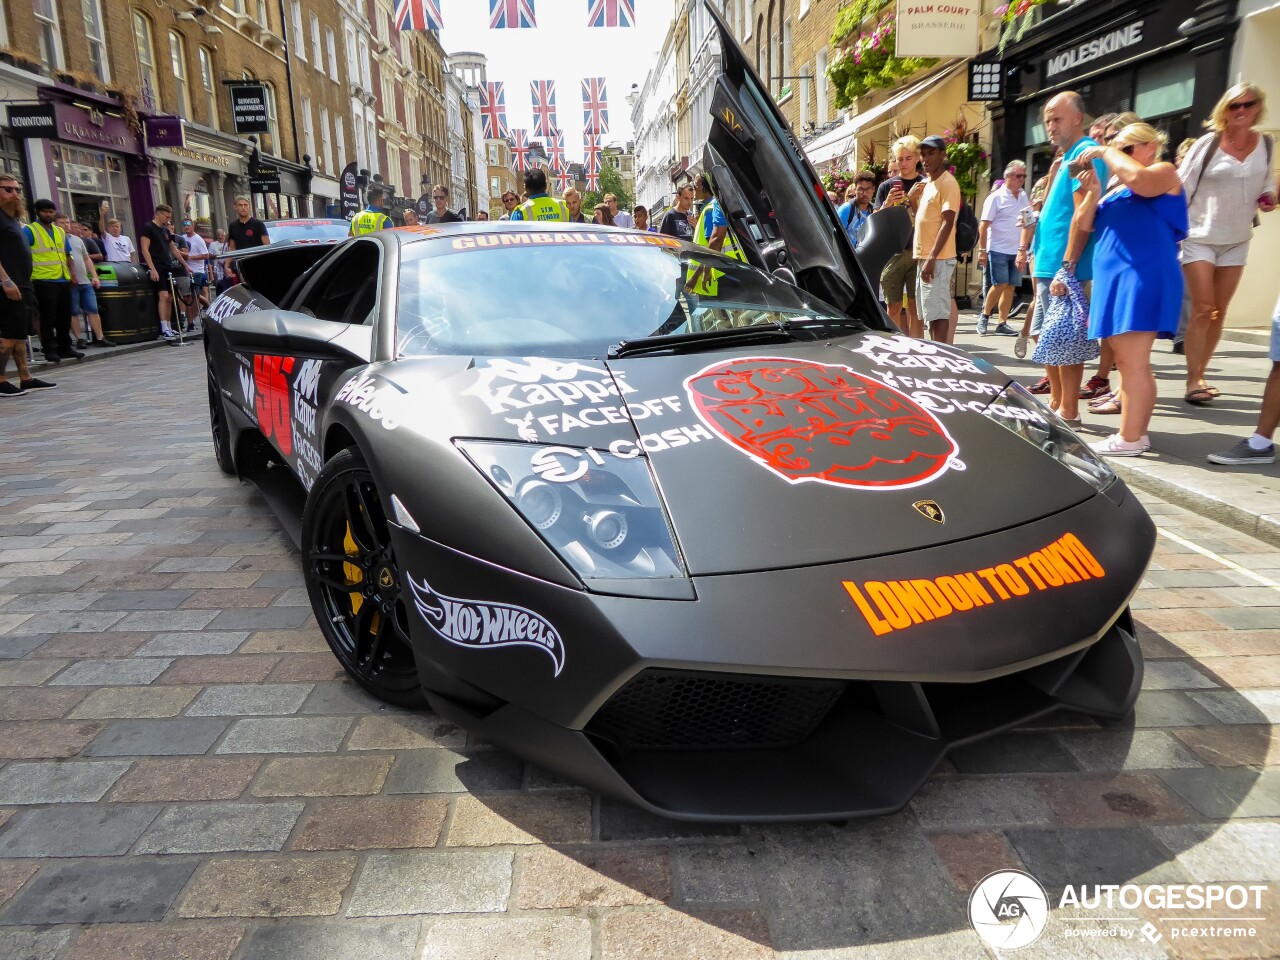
(185,772)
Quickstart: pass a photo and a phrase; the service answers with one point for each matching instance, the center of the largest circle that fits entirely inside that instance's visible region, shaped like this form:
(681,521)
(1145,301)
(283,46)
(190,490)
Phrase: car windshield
(573,294)
(307,231)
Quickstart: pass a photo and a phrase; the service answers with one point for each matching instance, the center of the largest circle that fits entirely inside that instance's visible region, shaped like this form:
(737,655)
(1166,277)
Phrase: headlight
(599,512)
(1019,412)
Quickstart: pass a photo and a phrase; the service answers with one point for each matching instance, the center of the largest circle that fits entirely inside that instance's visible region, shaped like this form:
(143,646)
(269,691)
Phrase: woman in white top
(1228,177)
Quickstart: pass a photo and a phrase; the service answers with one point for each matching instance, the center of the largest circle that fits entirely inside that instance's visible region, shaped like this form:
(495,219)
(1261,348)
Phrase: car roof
(306,222)
(409,235)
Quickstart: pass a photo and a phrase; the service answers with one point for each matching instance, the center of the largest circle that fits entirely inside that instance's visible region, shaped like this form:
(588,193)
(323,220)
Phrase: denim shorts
(83,299)
(1003,269)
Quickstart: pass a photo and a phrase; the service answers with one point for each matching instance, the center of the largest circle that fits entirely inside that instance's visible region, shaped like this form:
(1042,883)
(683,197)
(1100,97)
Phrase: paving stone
(1013,753)
(157,738)
(521,818)
(226,599)
(1225,853)
(1245,618)
(307,668)
(293,597)
(59,782)
(968,803)
(341,697)
(1174,675)
(38,703)
(226,669)
(268,618)
(186,778)
(279,887)
(45,739)
(33,944)
(622,821)
(70,621)
(93,646)
(221,828)
(405,731)
(1169,708)
(446,771)
(653,935)
(161,942)
(1127,750)
(371,823)
(76,830)
(28,673)
(13,874)
(1222,793)
(286,735)
(196,564)
(236,699)
(1110,800)
(217,581)
(968,857)
(1057,857)
(578,877)
(432,881)
(118,703)
(101,673)
(309,640)
(14,648)
(160,621)
(193,643)
(323,776)
(713,873)
(1244,672)
(382,940)
(120,890)
(1234,746)
(1241,706)
(507,938)
(141,600)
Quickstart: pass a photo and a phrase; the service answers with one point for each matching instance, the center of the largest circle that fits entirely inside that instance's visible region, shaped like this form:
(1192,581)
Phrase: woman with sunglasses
(1139,218)
(1228,179)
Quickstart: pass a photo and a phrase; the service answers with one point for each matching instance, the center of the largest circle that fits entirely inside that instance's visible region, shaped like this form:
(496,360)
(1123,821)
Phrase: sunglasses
(438,196)
(11,189)
(1243,105)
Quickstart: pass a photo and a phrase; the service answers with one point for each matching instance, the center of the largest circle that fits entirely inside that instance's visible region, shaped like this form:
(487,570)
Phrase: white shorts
(1275,339)
(1219,254)
(933,300)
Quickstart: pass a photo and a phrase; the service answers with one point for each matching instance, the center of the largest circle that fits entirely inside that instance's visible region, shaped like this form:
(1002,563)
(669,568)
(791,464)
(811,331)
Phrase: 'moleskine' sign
(938,29)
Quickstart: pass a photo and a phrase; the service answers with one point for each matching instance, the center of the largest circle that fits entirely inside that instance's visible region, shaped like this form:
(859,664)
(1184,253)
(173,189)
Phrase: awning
(842,139)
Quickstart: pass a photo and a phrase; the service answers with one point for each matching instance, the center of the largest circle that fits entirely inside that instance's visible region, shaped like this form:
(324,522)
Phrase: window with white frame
(145,40)
(296,42)
(331,44)
(271,140)
(317,51)
(371,135)
(786,71)
(340,138)
(208,88)
(48,34)
(366,80)
(326,143)
(308,130)
(178,64)
(96,38)
(804,7)
(349,40)
(820,82)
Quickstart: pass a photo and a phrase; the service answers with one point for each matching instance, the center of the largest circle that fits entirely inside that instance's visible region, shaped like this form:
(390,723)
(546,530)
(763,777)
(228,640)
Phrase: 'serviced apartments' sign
(1104,45)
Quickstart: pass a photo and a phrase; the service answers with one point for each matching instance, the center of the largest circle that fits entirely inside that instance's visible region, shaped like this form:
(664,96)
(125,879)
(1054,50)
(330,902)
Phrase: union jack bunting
(418,15)
(519,150)
(544,108)
(493,110)
(593,181)
(564,178)
(511,14)
(611,13)
(595,106)
(555,149)
(592,148)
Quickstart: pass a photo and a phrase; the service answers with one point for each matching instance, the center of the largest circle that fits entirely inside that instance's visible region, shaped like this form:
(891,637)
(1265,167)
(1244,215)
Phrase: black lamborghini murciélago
(707,536)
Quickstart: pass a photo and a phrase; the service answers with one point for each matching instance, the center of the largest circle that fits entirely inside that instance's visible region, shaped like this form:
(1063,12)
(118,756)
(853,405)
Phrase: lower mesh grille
(676,709)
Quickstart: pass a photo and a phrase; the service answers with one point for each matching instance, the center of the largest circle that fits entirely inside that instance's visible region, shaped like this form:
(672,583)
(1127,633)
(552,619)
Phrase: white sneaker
(1020,347)
(1117,446)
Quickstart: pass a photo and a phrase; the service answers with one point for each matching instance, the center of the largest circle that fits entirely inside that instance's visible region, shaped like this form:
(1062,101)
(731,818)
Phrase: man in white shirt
(86,323)
(217,247)
(999,235)
(198,259)
(620,217)
(117,246)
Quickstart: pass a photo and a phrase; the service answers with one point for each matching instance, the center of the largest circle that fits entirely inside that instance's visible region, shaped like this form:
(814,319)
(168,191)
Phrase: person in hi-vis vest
(539,206)
(712,231)
(374,217)
(51,282)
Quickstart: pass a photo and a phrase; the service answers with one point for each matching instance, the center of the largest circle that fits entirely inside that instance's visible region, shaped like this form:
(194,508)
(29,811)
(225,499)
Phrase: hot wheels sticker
(477,623)
(820,422)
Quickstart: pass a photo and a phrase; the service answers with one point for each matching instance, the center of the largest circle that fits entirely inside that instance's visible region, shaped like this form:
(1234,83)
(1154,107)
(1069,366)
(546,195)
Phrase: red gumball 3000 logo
(819,422)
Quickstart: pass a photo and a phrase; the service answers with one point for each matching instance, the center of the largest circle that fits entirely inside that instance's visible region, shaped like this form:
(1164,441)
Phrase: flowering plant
(968,162)
(1016,17)
(865,38)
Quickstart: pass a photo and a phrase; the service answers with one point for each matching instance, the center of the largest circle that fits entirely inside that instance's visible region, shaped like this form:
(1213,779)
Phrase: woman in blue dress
(1137,281)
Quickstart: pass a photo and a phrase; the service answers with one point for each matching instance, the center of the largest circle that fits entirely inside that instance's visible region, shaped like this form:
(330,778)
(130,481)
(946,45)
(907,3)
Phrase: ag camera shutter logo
(1008,909)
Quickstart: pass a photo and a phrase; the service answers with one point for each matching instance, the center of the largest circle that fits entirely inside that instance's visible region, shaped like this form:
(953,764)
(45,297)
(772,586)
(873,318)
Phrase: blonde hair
(1184,148)
(1139,134)
(1217,121)
(572,192)
(907,144)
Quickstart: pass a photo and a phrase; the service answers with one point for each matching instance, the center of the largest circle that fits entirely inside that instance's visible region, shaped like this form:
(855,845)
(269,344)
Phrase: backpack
(966,229)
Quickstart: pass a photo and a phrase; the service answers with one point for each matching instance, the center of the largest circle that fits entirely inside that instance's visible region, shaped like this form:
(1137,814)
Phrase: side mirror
(284,333)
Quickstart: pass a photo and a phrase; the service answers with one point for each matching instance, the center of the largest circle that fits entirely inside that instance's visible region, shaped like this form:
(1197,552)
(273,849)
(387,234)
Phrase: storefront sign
(947,29)
(986,81)
(350,191)
(164,132)
(93,128)
(262,182)
(1106,46)
(249,108)
(32,120)
(186,155)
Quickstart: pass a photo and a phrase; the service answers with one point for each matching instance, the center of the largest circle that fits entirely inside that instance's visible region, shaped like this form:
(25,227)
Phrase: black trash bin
(127,303)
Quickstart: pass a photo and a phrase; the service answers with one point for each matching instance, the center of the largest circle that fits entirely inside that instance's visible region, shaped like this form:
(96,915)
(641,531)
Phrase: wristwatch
(1068,266)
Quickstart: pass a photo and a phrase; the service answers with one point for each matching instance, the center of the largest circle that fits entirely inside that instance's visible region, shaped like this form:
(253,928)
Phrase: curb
(103,353)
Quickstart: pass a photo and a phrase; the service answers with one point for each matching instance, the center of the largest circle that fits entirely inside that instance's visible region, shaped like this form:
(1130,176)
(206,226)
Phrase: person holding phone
(898,279)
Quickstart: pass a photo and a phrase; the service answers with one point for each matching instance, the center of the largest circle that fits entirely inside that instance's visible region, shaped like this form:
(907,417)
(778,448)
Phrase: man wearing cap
(51,282)
(936,205)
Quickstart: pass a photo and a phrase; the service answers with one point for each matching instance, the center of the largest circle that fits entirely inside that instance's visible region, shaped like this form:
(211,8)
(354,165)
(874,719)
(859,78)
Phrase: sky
(564,49)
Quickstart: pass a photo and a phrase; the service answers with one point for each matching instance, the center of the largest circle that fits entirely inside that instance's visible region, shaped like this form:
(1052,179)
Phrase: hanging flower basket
(1016,18)
(865,38)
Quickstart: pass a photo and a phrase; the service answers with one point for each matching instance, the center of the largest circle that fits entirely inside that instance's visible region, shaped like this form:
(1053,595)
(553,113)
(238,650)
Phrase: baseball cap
(934,141)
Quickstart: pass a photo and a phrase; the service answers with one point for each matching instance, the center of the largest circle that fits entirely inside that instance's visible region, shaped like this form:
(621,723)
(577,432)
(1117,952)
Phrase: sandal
(1214,392)
(1200,396)
(1109,405)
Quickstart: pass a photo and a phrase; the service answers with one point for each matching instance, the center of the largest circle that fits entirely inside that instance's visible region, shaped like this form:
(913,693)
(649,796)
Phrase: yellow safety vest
(49,253)
(369,221)
(702,236)
(544,208)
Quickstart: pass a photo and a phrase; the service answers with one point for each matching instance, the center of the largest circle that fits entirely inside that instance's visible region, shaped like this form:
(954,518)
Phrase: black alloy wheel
(356,587)
(218,427)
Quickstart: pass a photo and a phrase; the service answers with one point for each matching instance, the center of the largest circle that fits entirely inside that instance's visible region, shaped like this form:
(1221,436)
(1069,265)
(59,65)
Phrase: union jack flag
(595,106)
(544,108)
(493,110)
(564,179)
(555,149)
(593,181)
(511,14)
(592,148)
(418,15)
(519,150)
(611,13)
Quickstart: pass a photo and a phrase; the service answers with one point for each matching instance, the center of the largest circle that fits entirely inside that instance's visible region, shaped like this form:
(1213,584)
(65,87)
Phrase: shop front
(21,87)
(326,196)
(280,189)
(202,178)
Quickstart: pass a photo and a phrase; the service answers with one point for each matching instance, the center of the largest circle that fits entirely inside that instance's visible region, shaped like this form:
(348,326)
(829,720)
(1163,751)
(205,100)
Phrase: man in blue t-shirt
(858,207)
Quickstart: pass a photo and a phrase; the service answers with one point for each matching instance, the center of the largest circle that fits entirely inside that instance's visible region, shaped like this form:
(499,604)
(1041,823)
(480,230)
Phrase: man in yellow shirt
(936,205)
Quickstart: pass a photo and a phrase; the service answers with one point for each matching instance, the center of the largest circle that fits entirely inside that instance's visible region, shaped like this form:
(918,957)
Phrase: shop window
(178,64)
(1165,88)
(96,38)
(145,39)
(87,177)
(47,32)
(208,88)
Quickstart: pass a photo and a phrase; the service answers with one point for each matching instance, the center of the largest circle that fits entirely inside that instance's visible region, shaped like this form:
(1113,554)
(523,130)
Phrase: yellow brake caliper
(355,576)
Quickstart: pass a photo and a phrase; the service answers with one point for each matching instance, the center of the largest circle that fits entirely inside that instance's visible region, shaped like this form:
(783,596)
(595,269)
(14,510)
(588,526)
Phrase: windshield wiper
(679,342)
(822,323)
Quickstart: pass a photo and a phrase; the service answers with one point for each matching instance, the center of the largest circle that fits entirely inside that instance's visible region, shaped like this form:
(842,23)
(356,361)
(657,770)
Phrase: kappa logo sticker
(822,423)
(478,623)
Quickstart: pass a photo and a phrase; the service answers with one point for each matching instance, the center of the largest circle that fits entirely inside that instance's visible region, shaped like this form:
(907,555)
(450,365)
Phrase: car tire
(219,428)
(355,583)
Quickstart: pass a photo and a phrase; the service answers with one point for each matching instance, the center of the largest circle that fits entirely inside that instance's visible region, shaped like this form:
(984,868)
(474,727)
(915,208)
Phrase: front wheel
(355,583)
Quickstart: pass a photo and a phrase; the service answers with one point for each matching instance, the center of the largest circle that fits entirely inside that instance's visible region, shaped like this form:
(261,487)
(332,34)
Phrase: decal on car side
(889,605)
(482,624)
(505,385)
(822,423)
